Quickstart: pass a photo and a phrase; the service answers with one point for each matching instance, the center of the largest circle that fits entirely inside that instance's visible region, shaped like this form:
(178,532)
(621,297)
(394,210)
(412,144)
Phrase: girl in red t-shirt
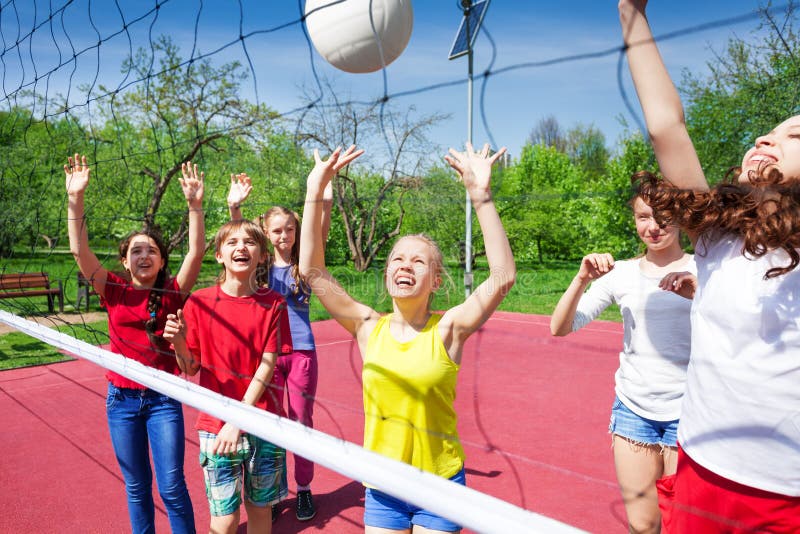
(141,420)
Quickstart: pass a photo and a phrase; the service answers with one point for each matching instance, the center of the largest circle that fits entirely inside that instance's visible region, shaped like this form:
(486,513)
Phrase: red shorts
(696,500)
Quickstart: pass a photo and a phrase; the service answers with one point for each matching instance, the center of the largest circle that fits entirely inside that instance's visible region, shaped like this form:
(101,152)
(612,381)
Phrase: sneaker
(305,506)
(276,511)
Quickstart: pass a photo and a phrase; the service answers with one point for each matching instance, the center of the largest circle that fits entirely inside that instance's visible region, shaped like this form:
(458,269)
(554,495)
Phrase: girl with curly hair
(739,434)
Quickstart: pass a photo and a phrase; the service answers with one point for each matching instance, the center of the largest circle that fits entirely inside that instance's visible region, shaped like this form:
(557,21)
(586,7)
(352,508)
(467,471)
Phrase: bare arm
(350,313)
(228,436)
(193,190)
(327,211)
(77,179)
(593,266)
(661,104)
(475,169)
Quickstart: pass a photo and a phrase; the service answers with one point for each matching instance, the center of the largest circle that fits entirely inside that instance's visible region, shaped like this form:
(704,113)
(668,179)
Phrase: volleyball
(353,35)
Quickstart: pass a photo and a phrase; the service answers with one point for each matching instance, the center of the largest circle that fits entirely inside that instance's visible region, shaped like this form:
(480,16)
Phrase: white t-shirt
(651,377)
(741,411)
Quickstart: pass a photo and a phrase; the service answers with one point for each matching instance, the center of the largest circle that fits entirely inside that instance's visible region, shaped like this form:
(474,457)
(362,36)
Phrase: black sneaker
(276,511)
(305,506)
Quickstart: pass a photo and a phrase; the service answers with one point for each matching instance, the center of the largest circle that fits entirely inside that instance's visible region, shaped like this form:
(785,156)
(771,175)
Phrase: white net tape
(463,505)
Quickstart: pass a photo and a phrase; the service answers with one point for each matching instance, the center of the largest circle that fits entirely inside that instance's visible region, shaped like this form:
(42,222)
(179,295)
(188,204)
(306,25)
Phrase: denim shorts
(384,511)
(258,467)
(641,430)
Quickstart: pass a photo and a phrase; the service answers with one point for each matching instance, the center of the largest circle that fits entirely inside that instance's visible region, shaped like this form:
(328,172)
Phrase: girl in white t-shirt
(739,455)
(651,378)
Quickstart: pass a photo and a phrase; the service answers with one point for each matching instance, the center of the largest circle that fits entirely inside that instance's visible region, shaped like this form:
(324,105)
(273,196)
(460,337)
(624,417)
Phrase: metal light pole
(467,31)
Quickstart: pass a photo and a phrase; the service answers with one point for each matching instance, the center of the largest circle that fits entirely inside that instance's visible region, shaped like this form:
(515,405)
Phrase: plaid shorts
(258,466)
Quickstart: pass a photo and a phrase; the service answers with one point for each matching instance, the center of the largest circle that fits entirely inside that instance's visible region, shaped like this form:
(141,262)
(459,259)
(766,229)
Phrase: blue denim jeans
(141,420)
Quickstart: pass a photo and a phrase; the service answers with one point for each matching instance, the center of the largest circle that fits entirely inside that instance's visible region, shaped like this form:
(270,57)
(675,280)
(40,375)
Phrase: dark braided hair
(157,291)
(764,212)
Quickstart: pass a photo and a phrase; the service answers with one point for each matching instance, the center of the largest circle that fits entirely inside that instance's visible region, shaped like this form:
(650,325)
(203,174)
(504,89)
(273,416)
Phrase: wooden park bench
(23,285)
(85,290)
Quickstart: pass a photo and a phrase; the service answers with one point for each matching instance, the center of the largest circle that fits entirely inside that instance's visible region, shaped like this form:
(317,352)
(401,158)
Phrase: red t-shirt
(127,313)
(229,335)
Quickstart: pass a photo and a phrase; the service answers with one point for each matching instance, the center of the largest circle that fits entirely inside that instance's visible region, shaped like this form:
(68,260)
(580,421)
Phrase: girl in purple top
(295,373)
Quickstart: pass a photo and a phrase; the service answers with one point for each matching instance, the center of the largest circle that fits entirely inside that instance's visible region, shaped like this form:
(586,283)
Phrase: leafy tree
(370,204)
(586,147)
(439,211)
(753,86)
(178,111)
(540,200)
(32,154)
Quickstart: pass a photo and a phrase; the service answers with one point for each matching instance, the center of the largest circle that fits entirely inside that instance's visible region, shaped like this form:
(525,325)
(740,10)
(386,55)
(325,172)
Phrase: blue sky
(581,91)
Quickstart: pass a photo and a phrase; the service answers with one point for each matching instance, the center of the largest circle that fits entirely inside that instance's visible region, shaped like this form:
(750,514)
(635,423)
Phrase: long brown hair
(300,284)
(764,213)
(159,286)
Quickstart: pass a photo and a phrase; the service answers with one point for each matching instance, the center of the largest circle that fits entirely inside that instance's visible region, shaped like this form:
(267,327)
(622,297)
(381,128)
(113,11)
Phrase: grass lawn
(537,291)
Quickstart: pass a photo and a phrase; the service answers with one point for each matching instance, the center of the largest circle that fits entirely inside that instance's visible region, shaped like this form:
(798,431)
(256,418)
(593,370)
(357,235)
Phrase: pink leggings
(297,373)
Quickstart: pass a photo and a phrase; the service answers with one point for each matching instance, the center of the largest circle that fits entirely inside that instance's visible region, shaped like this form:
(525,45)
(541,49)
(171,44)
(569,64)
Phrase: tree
(441,194)
(752,87)
(174,113)
(371,204)
(32,153)
(547,132)
(542,202)
(586,148)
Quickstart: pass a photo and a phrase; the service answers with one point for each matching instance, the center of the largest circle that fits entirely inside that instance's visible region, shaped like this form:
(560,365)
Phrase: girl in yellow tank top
(409,390)
(411,356)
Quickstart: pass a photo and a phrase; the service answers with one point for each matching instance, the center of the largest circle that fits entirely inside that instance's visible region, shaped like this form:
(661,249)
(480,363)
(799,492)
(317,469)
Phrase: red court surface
(533,415)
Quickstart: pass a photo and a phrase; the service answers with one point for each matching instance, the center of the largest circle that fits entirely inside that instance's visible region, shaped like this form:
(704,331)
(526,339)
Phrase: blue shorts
(384,511)
(258,467)
(641,430)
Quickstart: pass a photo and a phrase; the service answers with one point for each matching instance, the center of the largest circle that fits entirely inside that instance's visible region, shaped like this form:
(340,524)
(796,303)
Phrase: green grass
(537,291)
(20,350)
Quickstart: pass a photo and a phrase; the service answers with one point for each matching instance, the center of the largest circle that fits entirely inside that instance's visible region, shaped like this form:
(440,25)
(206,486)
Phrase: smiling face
(651,234)
(779,150)
(414,268)
(281,229)
(240,246)
(143,257)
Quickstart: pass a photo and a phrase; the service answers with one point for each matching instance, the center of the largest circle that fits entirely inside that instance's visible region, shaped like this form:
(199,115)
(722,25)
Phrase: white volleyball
(350,39)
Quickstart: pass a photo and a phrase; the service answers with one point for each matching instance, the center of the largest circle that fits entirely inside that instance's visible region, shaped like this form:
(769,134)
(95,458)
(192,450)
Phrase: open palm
(77,174)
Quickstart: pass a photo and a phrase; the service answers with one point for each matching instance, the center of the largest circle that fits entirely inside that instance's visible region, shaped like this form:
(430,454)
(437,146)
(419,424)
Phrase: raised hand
(325,170)
(595,265)
(241,186)
(192,183)
(474,168)
(77,174)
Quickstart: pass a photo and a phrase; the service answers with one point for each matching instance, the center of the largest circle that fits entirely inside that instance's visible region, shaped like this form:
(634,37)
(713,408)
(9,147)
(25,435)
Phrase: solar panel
(468,29)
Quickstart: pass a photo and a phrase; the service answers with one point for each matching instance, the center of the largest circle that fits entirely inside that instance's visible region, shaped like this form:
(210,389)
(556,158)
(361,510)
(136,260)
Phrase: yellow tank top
(409,390)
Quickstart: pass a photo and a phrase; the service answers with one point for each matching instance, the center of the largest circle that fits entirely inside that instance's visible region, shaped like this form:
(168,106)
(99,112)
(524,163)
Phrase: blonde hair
(437,258)
(263,220)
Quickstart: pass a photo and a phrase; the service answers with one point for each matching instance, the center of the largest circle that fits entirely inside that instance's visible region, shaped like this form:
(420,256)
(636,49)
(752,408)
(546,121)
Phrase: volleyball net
(462,505)
(142,87)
